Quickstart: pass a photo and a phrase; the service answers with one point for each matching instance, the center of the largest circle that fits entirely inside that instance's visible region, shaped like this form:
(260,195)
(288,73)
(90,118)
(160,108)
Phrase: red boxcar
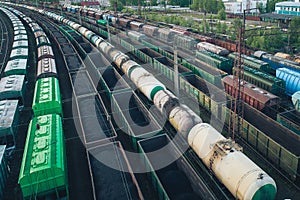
(252,95)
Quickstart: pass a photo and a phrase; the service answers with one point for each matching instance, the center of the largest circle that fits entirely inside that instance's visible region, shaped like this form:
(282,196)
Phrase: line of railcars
(256,76)
(203,138)
(13,85)
(43,170)
(94,119)
(179,36)
(13,81)
(253,78)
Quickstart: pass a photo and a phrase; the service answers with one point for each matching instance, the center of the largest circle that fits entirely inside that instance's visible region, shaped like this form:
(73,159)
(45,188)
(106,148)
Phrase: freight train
(184,40)
(261,74)
(43,170)
(249,181)
(13,81)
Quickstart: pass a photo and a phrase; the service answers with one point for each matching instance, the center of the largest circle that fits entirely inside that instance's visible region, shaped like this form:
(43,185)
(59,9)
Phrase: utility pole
(176,78)
(238,81)
(108,31)
(139,7)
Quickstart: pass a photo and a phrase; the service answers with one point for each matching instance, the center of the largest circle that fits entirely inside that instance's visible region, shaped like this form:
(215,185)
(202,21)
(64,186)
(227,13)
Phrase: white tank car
(242,177)
(145,81)
(165,101)
(183,119)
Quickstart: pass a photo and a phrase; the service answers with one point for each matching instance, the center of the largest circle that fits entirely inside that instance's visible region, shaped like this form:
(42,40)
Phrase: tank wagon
(233,45)
(291,78)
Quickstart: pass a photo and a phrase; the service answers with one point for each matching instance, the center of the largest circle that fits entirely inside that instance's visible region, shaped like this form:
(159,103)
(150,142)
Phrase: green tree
(220,5)
(195,5)
(234,29)
(224,28)
(117,4)
(294,30)
(179,2)
(210,6)
(270,7)
(222,14)
(219,27)
(261,8)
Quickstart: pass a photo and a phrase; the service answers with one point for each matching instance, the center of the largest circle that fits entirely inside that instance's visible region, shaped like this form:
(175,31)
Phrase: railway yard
(103,105)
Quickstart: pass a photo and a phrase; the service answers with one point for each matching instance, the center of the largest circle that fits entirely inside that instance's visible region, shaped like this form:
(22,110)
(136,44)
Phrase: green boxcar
(211,75)
(166,67)
(103,33)
(291,120)
(146,54)
(127,45)
(205,94)
(47,99)
(253,62)
(151,46)
(102,22)
(66,30)
(264,80)
(43,169)
(272,150)
(185,42)
(143,56)
(215,60)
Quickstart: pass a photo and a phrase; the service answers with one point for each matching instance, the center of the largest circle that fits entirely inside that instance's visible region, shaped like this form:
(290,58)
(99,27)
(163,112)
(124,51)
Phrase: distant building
(238,6)
(288,8)
(101,2)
